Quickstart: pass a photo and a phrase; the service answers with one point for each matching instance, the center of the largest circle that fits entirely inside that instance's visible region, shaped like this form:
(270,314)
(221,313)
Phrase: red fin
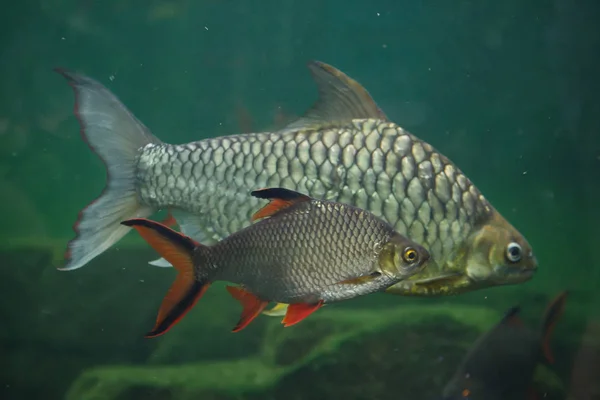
(169,220)
(178,250)
(281,198)
(297,312)
(253,306)
(553,312)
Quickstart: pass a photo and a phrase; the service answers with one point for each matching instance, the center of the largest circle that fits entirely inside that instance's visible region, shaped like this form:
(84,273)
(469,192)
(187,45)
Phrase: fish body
(306,253)
(501,363)
(343,149)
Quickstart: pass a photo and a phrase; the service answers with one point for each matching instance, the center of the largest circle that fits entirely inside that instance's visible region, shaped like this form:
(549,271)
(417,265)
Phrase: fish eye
(410,255)
(513,252)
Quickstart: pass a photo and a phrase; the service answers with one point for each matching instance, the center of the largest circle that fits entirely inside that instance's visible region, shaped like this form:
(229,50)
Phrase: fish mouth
(516,275)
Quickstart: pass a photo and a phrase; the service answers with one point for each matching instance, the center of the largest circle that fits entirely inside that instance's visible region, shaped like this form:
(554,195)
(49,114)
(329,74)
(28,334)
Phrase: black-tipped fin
(341,99)
(177,249)
(280,199)
(190,225)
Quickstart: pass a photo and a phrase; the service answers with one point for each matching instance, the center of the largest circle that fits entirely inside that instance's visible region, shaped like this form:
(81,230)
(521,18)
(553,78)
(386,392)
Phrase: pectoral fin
(445,284)
(360,280)
(440,279)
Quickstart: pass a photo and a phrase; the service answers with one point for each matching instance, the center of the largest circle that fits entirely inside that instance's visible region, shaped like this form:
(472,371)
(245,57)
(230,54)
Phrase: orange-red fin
(173,246)
(552,315)
(253,306)
(178,250)
(281,198)
(298,311)
(169,220)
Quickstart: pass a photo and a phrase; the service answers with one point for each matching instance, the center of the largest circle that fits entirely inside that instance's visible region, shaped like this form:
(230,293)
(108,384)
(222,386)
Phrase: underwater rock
(403,352)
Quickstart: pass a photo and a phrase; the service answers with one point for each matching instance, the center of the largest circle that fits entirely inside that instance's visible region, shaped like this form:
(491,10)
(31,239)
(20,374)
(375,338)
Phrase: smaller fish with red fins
(502,362)
(303,252)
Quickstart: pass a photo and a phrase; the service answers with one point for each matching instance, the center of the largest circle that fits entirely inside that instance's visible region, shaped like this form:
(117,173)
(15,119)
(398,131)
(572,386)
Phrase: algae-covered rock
(404,352)
(211,380)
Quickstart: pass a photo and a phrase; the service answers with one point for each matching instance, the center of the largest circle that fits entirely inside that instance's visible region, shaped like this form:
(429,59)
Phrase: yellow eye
(410,255)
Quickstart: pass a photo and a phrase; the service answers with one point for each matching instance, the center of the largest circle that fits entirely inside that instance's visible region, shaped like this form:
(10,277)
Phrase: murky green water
(506,90)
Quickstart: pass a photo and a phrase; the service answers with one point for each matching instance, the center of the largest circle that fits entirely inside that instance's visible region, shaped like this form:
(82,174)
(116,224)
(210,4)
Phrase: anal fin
(253,306)
(298,311)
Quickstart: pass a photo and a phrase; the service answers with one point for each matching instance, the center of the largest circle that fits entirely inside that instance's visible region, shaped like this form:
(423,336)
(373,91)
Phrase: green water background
(507,90)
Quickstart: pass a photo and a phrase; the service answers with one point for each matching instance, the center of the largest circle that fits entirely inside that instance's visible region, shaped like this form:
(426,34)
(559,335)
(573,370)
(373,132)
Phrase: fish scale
(402,179)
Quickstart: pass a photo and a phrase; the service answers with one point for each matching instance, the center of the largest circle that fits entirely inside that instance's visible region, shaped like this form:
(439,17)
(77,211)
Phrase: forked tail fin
(553,312)
(188,287)
(116,136)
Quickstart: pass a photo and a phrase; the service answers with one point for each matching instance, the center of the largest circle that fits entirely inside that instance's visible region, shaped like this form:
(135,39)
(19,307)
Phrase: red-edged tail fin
(187,289)
(280,198)
(553,313)
(116,136)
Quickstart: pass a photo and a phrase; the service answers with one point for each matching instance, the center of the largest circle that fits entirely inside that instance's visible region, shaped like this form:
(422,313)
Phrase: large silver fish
(343,149)
(306,253)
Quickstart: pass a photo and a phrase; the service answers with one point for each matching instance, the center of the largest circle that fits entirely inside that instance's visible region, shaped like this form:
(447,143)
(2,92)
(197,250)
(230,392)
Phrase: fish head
(496,254)
(402,257)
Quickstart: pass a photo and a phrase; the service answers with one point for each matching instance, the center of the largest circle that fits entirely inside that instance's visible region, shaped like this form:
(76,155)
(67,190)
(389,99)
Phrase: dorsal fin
(281,198)
(341,99)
